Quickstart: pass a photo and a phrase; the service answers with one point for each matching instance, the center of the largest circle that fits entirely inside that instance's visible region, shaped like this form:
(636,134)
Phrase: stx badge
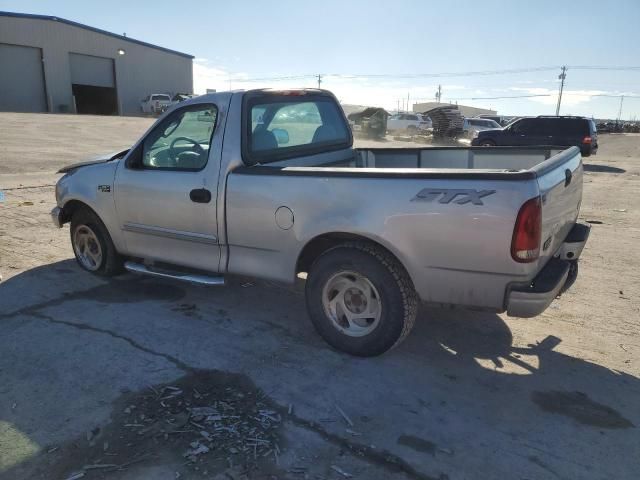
(104,188)
(447,195)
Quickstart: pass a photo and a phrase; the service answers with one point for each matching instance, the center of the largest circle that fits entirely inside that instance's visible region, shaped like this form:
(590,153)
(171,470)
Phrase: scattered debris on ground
(210,422)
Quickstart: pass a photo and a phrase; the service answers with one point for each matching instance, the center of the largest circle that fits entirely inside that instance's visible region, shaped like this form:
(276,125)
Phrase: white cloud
(207,76)
(570,98)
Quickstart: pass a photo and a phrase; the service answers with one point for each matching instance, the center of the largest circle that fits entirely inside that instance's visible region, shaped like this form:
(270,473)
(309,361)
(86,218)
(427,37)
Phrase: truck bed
(456,251)
(451,159)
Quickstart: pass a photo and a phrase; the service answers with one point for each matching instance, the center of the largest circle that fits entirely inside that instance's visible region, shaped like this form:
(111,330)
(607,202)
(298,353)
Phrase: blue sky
(235,42)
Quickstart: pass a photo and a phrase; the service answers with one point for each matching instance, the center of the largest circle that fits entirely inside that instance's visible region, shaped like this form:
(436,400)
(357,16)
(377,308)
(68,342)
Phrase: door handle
(567,177)
(200,195)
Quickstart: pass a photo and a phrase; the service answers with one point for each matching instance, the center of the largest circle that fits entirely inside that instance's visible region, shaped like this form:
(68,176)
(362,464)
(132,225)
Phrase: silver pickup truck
(267,184)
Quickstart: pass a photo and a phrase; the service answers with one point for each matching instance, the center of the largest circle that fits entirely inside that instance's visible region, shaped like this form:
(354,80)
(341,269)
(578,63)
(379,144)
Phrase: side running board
(208,280)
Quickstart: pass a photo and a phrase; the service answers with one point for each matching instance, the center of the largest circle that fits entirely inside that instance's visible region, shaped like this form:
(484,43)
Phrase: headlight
(62,186)
(475,134)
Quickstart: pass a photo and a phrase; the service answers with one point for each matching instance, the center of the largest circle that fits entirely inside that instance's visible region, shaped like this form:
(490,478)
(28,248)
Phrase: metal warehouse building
(48,64)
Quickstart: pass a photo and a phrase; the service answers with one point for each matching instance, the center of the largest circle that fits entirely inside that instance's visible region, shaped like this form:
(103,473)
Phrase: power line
(440,74)
(607,95)
(444,74)
(494,98)
(264,79)
(599,67)
(507,96)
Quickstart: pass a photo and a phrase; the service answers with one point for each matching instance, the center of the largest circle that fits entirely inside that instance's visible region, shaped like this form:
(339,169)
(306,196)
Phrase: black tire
(397,296)
(487,143)
(111,262)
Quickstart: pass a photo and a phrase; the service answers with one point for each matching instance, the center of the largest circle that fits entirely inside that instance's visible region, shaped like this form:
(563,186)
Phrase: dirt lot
(98,377)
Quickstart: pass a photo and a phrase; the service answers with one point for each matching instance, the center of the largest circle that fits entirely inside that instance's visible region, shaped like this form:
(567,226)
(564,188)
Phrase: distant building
(49,64)
(465,110)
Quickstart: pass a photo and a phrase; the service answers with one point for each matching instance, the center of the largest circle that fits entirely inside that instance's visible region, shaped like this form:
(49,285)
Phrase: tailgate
(560,183)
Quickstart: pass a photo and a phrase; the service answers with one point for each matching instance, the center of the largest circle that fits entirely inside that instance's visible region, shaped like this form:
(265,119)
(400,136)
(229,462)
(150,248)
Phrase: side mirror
(282,136)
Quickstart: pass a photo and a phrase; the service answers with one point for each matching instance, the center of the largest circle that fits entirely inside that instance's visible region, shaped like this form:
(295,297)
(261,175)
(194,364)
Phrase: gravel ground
(469,395)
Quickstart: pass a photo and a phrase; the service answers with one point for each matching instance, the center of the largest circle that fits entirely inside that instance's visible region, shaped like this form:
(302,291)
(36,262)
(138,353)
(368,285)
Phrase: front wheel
(488,143)
(92,245)
(360,299)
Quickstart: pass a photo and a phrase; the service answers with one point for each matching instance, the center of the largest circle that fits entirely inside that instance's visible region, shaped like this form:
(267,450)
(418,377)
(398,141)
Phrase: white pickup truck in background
(155,103)
(411,123)
(267,184)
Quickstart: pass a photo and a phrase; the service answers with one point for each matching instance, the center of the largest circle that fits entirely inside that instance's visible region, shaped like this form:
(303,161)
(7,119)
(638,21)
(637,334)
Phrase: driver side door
(165,190)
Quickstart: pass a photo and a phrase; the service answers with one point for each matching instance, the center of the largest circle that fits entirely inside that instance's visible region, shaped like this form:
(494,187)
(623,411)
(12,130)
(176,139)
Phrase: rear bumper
(557,276)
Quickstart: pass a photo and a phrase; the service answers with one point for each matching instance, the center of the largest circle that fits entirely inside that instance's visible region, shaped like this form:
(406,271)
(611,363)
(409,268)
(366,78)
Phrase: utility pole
(408,102)
(398,105)
(562,76)
(620,111)
(319,79)
(439,93)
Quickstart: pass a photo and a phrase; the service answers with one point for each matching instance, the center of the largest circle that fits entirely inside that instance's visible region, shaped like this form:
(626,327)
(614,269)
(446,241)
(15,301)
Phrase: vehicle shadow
(548,410)
(597,168)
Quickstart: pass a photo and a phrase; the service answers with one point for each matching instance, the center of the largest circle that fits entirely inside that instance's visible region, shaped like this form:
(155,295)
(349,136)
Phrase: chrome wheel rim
(87,248)
(352,303)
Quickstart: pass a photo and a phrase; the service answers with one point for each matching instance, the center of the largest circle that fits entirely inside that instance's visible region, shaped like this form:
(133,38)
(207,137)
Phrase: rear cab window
(279,126)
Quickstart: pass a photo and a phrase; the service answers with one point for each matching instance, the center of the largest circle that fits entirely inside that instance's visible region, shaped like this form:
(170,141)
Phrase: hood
(94,161)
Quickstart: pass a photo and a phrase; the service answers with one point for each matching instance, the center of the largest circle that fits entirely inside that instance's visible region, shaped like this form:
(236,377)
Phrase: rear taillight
(586,140)
(525,245)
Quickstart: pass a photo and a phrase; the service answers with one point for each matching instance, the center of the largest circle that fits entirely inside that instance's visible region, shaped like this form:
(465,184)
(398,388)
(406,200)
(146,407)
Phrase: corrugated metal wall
(21,79)
(142,70)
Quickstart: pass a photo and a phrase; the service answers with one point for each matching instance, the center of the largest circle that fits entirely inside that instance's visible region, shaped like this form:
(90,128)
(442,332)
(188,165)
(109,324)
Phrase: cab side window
(182,140)
(522,127)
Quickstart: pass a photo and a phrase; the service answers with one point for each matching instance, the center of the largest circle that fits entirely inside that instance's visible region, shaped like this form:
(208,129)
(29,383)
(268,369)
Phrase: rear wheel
(92,245)
(360,299)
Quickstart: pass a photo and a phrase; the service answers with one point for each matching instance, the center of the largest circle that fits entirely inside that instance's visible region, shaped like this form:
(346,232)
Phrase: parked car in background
(471,126)
(495,118)
(155,103)
(224,185)
(411,123)
(181,97)
(544,130)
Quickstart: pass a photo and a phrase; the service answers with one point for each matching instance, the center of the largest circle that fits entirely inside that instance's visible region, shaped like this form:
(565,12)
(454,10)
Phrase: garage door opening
(93,84)
(94,100)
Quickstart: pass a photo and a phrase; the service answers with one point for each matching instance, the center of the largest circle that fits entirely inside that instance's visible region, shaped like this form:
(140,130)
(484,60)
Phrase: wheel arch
(74,205)
(326,241)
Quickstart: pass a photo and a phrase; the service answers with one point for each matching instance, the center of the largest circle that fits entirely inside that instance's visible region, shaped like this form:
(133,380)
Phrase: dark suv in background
(557,131)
